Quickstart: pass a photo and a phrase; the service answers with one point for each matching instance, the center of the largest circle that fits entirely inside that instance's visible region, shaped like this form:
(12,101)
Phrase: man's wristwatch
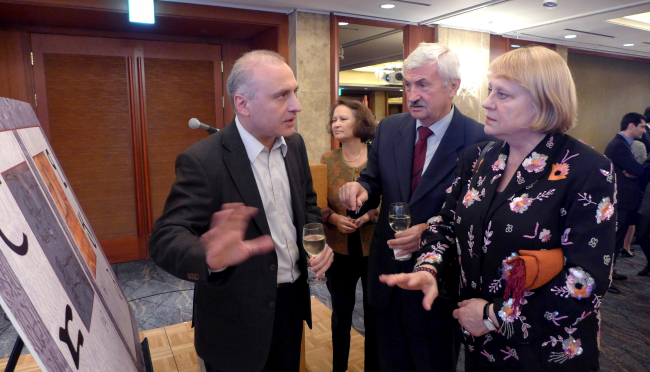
(486,318)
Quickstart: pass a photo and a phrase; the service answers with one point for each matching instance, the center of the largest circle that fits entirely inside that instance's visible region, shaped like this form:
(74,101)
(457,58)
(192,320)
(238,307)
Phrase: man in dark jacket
(251,296)
(628,171)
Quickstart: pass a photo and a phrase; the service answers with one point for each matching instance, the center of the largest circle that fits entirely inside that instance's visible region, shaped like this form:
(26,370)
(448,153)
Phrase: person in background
(640,154)
(531,220)
(628,172)
(412,160)
(352,124)
(646,136)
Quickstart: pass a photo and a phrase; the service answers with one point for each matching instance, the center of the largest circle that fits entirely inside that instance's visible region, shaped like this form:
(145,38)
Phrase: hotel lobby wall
(309,57)
(607,89)
(473,49)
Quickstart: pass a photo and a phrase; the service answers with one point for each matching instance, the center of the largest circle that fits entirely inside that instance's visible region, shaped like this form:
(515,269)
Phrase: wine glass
(399,219)
(313,239)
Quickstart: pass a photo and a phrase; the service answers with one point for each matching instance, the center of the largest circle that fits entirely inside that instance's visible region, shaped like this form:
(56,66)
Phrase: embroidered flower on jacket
(509,313)
(500,163)
(545,235)
(535,162)
(605,210)
(593,242)
(570,349)
(509,228)
(471,196)
(579,283)
(520,204)
(559,172)
(435,221)
(607,259)
(562,212)
(429,258)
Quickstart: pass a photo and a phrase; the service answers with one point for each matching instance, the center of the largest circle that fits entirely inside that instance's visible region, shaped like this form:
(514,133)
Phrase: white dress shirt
(273,184)
(438,128)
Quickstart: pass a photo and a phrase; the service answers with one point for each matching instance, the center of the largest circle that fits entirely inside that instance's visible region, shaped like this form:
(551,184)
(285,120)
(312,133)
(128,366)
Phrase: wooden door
(116,136)
(181,81)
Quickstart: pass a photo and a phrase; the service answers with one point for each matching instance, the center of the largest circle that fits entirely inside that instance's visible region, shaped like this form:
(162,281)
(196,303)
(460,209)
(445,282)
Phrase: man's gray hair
(240,80)
(445,58)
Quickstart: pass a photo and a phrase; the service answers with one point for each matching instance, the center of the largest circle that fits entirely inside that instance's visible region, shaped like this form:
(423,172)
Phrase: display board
(56,285)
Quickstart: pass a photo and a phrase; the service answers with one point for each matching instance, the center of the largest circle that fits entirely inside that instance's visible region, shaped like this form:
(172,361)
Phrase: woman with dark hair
(530,219)
(352,124)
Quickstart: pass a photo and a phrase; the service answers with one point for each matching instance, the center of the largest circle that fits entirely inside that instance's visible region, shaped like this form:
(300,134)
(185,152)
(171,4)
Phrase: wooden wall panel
(177,90)
(15,66)
(607,89)
(498,45)
(90,131)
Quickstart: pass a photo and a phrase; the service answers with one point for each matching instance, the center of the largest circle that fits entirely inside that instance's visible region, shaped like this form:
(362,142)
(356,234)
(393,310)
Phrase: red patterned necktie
(419,155)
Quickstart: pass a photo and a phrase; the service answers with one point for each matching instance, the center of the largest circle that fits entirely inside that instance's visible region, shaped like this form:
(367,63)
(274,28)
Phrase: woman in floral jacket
(536,189)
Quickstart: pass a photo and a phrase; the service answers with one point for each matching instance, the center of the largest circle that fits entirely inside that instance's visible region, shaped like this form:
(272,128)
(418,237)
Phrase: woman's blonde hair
(547,77)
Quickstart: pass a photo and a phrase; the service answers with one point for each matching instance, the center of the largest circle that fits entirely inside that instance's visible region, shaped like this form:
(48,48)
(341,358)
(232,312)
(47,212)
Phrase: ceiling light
(571,36)
(387,6)
(141,11)
(628,44)
(514,46)
(549,3)
(343,23)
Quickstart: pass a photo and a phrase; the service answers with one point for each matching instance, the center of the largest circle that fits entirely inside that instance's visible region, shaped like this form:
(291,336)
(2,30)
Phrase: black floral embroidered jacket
(562,195)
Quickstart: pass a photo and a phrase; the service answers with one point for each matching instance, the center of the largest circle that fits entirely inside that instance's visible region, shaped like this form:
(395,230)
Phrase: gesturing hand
(353,195)
(224,243)
(420,280)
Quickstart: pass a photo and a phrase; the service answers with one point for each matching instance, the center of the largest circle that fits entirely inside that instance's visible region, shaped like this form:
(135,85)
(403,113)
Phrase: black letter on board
(65,337)
(20,250)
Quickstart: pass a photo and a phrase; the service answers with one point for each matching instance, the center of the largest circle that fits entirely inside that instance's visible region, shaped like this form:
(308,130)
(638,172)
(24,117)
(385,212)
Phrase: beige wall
(607,88)
(309,57)
(473,49)
(380,104)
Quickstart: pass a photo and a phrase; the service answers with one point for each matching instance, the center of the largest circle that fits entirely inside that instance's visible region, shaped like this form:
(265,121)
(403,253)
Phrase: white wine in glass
(313,239)
(399,219)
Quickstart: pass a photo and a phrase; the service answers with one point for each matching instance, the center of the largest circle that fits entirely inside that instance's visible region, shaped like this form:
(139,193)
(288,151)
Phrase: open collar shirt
(273,184)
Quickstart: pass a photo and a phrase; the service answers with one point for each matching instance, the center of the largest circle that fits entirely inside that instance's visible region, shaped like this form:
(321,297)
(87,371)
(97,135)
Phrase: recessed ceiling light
(343,23)
(387,6)
(549,3)
(628,44)
(514,46)
(571,36)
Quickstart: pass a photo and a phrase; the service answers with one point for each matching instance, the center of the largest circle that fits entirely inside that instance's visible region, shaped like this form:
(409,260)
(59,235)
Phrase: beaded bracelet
(427,269)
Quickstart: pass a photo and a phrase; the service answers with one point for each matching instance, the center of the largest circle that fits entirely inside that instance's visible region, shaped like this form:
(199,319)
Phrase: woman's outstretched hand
(420,280)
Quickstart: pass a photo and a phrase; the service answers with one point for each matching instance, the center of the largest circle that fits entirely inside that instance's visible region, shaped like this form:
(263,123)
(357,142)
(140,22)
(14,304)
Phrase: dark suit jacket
(388,175)
(233,310)
(628,192)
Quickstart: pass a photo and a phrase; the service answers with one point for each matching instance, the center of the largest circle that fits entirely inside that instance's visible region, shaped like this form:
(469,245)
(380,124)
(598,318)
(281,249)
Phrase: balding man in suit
(251,295)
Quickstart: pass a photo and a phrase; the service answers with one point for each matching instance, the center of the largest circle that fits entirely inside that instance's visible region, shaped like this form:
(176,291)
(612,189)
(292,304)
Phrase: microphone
(196,124)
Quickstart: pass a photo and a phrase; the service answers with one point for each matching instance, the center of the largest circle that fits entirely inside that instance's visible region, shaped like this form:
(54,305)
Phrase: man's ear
(628,126)
(453,86)
(242,105)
